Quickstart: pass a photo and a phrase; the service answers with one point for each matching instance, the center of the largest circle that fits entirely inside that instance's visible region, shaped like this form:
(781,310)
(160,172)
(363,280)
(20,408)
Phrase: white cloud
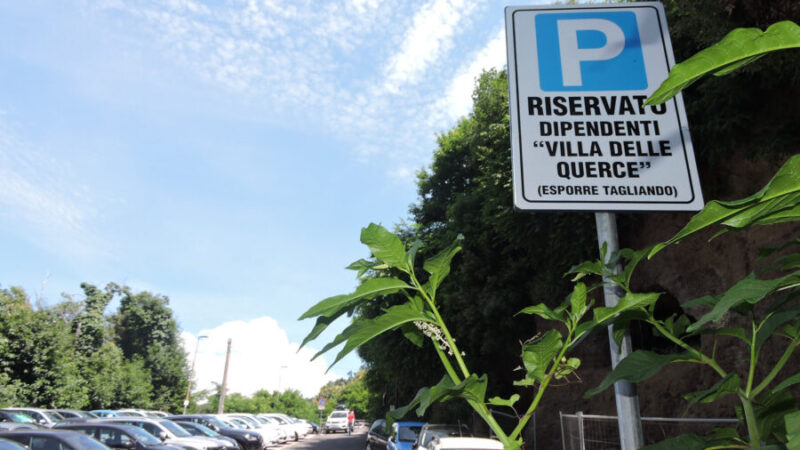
(429,37)
(262,357)
(458,99)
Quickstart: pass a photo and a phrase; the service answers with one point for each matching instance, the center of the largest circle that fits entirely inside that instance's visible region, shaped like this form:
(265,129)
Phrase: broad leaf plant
(768,306)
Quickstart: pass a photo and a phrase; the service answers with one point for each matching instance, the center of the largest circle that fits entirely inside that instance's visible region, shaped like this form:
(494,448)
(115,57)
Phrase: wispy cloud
(458,98)
(429,37)
(39,197)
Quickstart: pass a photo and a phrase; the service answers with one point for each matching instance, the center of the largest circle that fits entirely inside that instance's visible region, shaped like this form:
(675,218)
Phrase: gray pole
(630,424)
(221,406)
(191,374)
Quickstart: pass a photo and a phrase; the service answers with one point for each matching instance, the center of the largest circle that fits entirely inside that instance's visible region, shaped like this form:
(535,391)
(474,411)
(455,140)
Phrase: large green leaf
(628,302)
(539,353)
(781,193)
(498,401)
(739,47)
(385,246)
(770,411)
(792,423)
(322,323)
(363,330)
(542,311)
(638,366)
(472,389)
(792,380)
(439,265)
(369,289)
(749,290)
(728,385)
(775,321)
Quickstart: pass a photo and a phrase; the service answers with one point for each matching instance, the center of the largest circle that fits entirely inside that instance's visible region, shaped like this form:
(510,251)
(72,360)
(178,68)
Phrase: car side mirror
(214,427)
(128,445)
(162,435)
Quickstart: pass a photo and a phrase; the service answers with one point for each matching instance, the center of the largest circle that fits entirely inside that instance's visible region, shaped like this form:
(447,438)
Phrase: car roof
(410,424)
(469,442)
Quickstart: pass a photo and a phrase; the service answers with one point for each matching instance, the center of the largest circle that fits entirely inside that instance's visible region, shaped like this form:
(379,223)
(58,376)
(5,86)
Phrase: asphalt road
(336,441)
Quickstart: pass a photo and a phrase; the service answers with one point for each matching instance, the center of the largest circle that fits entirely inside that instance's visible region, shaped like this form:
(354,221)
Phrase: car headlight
(249,437)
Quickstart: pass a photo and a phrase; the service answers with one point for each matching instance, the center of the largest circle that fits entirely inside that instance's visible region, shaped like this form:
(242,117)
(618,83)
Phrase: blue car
(403,435)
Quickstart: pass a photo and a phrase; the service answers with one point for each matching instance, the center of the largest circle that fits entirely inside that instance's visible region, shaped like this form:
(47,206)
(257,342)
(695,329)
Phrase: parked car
(125,437)
(337,421)
(434,430)
(464,443)
(195,429)
(377,436)
(283,430)
(8,426)
(246,439)
(268,431)
(42,417)
(53,439)
(403,435)
(296,430)
(6,444)
(131,413)
(169,432)
(73,414)
(16,417)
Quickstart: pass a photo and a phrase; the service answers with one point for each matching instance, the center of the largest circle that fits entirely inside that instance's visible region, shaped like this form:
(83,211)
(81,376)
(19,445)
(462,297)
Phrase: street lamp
(191,373)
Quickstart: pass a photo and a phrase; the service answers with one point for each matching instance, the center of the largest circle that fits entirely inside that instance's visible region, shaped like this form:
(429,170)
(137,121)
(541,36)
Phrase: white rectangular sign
(582,138)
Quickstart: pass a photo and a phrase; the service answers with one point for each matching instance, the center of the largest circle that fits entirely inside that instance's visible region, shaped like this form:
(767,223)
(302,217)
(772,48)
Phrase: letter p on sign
(591,51)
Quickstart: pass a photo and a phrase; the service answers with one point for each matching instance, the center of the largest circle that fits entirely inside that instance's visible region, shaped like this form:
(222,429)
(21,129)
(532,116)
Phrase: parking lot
(336,441)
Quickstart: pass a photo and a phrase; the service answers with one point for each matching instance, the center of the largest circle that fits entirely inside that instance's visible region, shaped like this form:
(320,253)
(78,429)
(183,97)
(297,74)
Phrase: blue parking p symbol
(590,51)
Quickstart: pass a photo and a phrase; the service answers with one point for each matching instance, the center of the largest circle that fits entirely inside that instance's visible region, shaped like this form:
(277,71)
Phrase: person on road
(351,418)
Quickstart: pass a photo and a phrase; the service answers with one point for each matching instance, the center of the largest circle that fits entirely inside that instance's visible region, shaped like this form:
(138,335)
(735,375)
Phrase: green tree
(145,328)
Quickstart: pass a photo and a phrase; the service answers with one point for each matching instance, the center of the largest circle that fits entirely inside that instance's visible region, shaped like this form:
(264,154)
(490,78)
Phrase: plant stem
(753,360)
(448,337)
(542,387)
(778,366)
(750,417)
(698,354)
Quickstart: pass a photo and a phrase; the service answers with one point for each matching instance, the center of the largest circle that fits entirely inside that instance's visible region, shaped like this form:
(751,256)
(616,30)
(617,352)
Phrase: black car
(118,436)
(377,436)
(245,439)
(53,440)
(197,429)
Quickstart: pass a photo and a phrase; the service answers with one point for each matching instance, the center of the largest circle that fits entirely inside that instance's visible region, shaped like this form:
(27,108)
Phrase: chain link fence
(595,432)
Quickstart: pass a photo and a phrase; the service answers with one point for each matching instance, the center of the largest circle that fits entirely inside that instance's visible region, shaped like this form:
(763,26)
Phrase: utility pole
(221,407)
(191,373)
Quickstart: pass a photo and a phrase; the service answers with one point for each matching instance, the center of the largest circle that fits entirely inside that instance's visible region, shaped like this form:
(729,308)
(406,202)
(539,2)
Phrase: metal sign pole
(629,421)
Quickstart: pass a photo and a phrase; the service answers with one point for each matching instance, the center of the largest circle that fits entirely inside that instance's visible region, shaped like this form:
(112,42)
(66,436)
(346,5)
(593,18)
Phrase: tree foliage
(69,355)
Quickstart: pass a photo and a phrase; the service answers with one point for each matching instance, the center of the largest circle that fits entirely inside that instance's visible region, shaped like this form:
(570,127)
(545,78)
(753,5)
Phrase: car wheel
(296,436)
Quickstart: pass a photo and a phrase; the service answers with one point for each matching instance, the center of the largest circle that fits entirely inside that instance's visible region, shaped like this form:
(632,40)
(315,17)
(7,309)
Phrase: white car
(337,421)
(296,431)
(284,431)
(268,434)
(464,443)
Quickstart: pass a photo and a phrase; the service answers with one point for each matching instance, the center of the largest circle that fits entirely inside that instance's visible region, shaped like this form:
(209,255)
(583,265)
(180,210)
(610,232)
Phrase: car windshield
(205,430)
(142,436)
(249,421)
(80,441)
(174,429)
(21,417)
(216,422)
(408,433)
(338,415)
(239,423)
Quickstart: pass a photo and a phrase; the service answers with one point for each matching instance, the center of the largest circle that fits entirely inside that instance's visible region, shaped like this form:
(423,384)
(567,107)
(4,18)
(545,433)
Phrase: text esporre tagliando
(619,139)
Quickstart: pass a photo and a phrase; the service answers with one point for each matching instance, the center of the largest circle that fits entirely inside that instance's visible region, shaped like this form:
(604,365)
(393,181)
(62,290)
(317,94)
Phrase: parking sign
(582,138)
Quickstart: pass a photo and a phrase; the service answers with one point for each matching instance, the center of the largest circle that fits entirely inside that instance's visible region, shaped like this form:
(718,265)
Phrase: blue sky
(223,153)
